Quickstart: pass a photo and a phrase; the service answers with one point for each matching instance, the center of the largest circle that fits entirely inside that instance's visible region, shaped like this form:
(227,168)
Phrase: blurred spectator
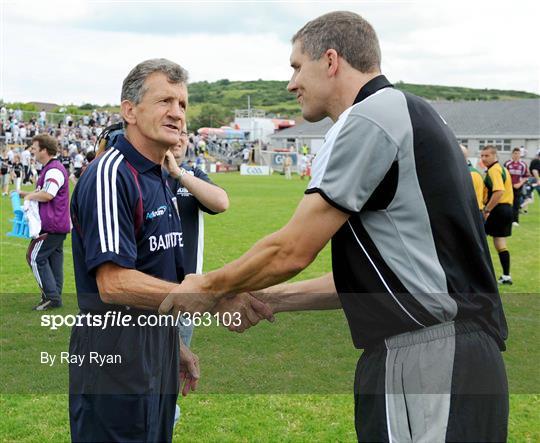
(4,172)
(518,172)
(17,172)
(26,155)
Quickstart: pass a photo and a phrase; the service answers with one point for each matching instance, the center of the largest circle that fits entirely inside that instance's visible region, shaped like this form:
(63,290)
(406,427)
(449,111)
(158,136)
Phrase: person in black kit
(65,159)
(17,172)
(534,168)
(5,167)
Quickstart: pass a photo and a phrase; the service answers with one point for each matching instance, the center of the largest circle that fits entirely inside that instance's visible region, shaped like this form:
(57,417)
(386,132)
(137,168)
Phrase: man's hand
(251,311)
(189,296)
(170,164)
(189,370)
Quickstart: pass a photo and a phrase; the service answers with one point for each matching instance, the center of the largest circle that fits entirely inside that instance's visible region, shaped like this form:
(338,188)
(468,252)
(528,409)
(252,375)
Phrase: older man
(411,265)
(127,253)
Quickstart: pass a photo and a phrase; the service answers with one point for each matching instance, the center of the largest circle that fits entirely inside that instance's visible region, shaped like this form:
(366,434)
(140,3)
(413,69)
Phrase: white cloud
(80,51)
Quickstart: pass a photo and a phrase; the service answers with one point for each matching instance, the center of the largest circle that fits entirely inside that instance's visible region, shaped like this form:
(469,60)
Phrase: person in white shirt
(78,161)
(16,133)
(23,133)
(43,117)
(26,155)
(245,155)
(10,155)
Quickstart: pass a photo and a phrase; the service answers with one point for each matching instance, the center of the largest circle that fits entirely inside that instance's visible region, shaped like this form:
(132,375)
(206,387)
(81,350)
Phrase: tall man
(411,265)
(127,253)
(498,208)
(45,254)
(519,174)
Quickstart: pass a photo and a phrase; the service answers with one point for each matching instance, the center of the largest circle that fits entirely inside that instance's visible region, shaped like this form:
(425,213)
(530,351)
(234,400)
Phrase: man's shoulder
(386,110)
(108,166)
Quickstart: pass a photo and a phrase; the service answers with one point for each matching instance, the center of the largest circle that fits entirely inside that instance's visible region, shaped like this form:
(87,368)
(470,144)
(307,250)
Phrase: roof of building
(48,107)
(493,118)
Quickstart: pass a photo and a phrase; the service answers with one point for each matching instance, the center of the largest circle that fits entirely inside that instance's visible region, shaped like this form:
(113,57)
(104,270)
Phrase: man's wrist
(181,174)
(270,297)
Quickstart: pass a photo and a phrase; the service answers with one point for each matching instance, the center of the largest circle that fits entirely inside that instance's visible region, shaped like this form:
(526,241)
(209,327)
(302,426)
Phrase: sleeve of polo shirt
(347,171)
(108,208)
(54,180)
(199,173)
(495,174)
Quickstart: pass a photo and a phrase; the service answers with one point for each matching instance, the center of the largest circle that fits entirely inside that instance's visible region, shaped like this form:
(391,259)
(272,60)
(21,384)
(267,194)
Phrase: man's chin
(168,141)
(312,118)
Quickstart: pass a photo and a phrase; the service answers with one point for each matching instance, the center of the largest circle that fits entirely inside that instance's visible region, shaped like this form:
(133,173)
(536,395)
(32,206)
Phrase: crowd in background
(76,136)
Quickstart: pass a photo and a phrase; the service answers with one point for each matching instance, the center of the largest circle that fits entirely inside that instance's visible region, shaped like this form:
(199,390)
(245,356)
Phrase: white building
(505,124)
(257,124)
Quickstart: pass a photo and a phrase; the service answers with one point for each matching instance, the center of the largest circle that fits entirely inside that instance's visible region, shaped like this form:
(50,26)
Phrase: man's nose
(176,111)
(291,86)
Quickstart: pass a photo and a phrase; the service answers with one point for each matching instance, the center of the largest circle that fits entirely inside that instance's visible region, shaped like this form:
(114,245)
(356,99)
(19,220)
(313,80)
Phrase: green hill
(213,103)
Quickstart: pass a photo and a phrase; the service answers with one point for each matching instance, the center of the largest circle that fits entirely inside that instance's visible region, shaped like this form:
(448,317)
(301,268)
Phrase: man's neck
(149,149)
(350,85)
(47,160)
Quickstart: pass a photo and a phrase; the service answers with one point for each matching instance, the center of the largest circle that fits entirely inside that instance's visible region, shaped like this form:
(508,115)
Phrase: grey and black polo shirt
(413,253)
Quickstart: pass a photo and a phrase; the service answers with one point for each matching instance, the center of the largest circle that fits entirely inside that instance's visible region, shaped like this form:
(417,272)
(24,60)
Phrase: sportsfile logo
(156,213)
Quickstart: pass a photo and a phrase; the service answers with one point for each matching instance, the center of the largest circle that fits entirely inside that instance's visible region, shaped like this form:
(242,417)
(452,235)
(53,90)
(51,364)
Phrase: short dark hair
(516,150)
(490,148)
(45,141)
(352,37)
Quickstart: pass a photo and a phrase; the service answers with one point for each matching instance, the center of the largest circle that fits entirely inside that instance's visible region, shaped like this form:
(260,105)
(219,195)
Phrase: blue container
(20,223)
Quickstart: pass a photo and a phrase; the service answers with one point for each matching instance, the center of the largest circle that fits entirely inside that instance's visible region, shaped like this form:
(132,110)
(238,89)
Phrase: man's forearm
(209,195)
(281,255)
(269,262)
(315,294)
(494,200)
(40,196)
(129,287)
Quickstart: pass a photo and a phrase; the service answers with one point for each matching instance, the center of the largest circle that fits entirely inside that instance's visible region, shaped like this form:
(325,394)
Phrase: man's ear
(128,112)
(332,60)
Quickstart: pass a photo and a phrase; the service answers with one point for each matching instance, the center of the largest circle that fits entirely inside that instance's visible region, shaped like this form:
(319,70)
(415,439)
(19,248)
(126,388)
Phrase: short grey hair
(352,37)
(132,87)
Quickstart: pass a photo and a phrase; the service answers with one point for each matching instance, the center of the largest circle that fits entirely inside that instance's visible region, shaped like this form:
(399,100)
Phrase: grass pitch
(290,381)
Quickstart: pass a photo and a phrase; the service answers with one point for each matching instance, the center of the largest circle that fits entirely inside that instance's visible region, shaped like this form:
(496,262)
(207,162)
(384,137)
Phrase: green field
(288,381)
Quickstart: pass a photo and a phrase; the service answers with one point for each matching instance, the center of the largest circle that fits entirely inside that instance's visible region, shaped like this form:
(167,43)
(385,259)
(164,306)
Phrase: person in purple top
(45,254)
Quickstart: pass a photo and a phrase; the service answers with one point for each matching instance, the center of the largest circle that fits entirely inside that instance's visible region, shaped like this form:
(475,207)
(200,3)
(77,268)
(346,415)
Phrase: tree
(211,116)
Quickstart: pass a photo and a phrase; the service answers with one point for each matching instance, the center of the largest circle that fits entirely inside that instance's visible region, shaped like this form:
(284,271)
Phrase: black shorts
(499,221)
(131,400)
(442,383)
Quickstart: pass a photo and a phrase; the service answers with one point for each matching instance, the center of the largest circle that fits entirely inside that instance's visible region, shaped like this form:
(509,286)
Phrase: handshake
(190,296)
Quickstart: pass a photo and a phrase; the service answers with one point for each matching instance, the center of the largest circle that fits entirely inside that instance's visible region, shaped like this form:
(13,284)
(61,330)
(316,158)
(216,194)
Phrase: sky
(80,51)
